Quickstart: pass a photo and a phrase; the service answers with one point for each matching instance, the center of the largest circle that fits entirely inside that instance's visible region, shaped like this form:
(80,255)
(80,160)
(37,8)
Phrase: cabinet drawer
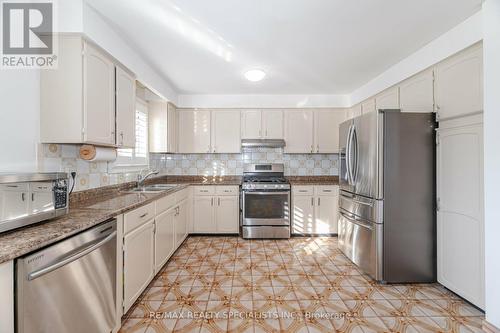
(326,190)
(204,190)
(17,187)
(165,203)
(138,217)
(227,190)
(303,190)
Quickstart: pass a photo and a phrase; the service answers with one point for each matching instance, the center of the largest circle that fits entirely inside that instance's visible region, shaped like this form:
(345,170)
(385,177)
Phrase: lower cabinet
(216,209)
(180,222)
(138,258)
(7,292)
(164,237)
(315,209)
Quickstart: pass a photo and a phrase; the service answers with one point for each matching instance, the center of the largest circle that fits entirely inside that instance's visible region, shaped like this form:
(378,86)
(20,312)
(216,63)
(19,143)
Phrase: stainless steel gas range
(265,202)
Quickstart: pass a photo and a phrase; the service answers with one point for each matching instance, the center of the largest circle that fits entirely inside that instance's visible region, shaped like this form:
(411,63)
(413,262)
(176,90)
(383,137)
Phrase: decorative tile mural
(232,164)
(64,158)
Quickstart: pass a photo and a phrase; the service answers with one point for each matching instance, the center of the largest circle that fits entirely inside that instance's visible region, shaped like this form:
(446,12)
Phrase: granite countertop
(313,180)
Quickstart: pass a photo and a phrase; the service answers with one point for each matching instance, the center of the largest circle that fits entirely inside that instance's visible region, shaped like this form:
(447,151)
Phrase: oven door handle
(267,193)
(70,259)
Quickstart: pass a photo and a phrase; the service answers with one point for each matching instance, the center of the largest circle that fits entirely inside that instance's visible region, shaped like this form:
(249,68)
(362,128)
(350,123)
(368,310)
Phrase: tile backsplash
(64,157)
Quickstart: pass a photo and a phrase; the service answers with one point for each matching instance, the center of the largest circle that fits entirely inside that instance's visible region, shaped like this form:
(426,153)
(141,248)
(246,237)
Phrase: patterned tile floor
(227,284)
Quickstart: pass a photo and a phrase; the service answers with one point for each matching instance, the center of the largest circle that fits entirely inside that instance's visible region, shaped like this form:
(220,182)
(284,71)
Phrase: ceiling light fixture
(255,75)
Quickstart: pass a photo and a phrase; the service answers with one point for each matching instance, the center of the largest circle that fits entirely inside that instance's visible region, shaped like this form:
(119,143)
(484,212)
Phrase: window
(138,157)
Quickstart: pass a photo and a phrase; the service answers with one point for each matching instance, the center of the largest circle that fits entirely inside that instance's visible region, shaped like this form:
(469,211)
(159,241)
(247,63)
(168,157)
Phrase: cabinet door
(181,222)
(272,124)
(460,225)
(125,109)
(138,262)
(14,201)
(172,130)
(227,214)
(368,106)
(99,97)
(164,237)
(326,214)
(303,214)
(158,127)
(388,99)
(204,219)
(226,131)
(251,124)
(42,197)
(354,111)
(459,84)
(417,93)
(326,130)
(299,131)
(194,136)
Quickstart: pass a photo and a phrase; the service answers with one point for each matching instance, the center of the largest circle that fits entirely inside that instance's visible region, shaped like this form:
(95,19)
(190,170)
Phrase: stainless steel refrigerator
(387,223)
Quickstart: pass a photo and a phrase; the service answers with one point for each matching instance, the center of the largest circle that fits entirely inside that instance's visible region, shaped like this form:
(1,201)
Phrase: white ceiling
(305,46)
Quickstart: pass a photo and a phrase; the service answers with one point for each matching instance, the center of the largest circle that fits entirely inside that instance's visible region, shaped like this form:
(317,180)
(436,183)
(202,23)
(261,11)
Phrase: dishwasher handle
(71,258)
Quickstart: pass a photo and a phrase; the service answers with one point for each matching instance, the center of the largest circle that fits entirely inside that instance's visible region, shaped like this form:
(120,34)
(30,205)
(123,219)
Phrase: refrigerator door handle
(354,146)
(348,156)
(357,221)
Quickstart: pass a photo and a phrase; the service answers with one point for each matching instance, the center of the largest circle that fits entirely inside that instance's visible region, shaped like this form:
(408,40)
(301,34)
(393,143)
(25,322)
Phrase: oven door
(266,208)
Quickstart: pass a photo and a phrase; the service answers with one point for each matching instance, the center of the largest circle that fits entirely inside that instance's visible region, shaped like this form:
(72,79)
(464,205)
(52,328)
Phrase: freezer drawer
(361,242)
(260,232)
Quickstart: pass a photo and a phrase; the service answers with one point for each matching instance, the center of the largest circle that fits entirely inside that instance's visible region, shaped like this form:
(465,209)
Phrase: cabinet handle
(312,149)
(218,201)
(319,201)
(211,201)
(215,148)
(143,215)
(312,201)
(23,196)
(32,196)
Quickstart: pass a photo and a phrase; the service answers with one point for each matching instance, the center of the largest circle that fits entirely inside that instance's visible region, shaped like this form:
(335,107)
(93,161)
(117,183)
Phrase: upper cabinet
(162,127)
(77,101)
(416,94)
(299,127)
(326,130)
(262,124)
(354,111)
(125,108)
(388,99)
(226,131)
(459,84)
(368,106)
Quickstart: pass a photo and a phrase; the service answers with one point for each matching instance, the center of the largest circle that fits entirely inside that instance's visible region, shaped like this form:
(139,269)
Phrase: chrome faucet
(141,179)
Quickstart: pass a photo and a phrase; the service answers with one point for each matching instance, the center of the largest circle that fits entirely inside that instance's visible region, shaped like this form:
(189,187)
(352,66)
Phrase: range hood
(262,143)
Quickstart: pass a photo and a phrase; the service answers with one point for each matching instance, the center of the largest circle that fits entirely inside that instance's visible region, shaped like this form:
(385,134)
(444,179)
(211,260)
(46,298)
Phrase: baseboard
(212,235)
(490,328)
(314,235)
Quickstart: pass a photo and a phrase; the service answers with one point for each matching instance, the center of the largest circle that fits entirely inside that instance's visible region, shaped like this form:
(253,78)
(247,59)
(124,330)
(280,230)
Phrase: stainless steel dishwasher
(69,286)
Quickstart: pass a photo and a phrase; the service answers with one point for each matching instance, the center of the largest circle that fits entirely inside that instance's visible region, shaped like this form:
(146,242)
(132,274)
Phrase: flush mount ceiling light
(255,75)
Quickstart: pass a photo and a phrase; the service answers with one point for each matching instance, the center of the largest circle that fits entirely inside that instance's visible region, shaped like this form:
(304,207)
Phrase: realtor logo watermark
(28,39)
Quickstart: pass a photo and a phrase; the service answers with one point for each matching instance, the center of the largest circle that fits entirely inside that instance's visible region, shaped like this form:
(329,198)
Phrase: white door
(272,124)
(326,130)
(227,214)
(326,214)
(226,131)
(388,99)
(41,197)
(460,227)
(99,97)
(181,223)
(368,106)
(194,131)
(251,124)
(14,201)
(303,214)
(204,219)
(417,93)
(125,109)
(164,237)
(138,262)
(459,84)
(299,131)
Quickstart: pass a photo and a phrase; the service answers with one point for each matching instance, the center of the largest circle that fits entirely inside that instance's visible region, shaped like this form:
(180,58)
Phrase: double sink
(152,188)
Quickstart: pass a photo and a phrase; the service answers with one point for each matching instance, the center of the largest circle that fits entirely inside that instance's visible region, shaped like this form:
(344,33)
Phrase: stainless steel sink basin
(152,188)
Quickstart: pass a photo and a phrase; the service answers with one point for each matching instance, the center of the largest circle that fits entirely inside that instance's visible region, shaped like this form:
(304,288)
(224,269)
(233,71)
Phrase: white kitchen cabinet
(227,214)
(354,111)
(315,209)
(14,201)
(299,127)
(180,222)
(216,209)
(125,108)
(388,99)
(459,84)
(226,131)
(194,131)
(251,124)
(460,217)
(272,124)
(41,197)
(368,106)
(163,131)
(416,94)
(7,292)
(204,217)
(326,130)
(139,262)
(165,243)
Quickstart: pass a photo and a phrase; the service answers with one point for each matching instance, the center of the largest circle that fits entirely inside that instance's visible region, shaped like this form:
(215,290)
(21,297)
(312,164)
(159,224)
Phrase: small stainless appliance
(28,198)
(387,198)
(69,286)
(265,200)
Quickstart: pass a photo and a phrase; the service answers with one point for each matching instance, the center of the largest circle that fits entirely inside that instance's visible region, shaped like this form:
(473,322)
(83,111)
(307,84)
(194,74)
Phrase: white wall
(19,120)
(262,101)
(460,37)
(491,47)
